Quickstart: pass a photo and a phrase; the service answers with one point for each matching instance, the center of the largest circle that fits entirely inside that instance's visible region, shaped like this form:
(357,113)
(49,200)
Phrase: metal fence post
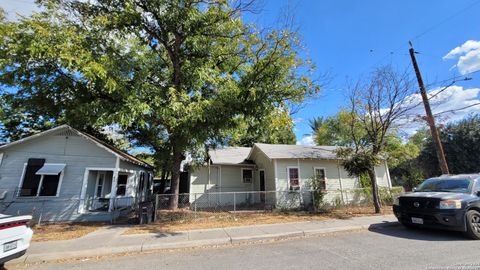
(346,198)
(41,213)
(195,206)
(157,201)
(234,202)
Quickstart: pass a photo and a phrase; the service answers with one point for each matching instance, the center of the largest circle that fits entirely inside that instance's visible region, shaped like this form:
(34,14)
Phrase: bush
(318,192)
(387,195)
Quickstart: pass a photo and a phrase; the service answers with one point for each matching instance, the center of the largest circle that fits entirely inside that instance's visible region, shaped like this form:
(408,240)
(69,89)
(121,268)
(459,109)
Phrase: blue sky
(348,38)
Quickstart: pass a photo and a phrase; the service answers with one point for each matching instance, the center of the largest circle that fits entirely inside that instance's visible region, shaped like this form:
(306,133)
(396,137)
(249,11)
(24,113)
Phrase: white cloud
(468,55)
(452,98)
(306,140)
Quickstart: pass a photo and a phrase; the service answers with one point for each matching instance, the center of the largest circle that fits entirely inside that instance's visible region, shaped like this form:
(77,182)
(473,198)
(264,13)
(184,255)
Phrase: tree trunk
(163,181)
(175,182)
(376,197)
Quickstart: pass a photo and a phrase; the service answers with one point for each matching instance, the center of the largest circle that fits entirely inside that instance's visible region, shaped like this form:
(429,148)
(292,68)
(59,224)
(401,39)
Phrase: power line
(458,109)
(455,79)
(446,20)
(427,31)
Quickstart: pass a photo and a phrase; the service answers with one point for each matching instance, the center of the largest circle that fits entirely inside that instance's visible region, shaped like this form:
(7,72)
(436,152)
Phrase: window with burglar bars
(293,178)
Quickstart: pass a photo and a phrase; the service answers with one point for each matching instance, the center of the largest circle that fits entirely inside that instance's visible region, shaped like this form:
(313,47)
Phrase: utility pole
(430,120)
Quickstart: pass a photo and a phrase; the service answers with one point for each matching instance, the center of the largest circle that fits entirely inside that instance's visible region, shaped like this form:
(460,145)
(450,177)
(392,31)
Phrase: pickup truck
(15,236)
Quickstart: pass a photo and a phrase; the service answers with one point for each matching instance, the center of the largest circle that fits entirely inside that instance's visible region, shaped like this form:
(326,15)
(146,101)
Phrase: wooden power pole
(430,120)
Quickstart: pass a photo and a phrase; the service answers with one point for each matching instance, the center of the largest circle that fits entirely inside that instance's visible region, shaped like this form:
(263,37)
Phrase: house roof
(230,155)
(242,155)
(285,151)
(115,151)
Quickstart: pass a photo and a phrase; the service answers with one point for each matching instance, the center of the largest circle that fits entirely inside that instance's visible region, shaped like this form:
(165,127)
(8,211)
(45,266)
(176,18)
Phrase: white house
(63,174)
(276,169)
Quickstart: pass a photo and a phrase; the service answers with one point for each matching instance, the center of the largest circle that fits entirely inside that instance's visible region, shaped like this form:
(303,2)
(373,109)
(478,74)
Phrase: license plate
(417,220)
(9,246)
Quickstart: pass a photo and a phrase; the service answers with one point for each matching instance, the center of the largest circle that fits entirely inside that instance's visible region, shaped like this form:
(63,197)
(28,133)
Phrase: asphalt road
(385,248)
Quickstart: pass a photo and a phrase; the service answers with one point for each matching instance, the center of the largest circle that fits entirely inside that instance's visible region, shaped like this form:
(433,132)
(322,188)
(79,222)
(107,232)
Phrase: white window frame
(242,179)
(324,173)
(104,173)
(288,176)
(60,180)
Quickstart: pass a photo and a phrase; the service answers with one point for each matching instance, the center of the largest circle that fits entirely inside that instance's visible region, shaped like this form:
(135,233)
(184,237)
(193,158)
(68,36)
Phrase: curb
(225,241)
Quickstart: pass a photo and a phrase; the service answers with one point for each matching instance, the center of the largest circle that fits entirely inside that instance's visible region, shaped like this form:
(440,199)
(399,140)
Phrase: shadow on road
(421,234)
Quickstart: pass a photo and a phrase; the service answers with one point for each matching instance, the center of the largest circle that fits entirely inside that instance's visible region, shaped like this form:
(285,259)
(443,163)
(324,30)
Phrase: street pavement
(380,247)
(111,240)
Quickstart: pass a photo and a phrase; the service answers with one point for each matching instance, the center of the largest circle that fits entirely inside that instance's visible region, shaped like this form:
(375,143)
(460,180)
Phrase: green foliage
(317,185)
(408,174)
(386,195)
(359,162)
(399,152)
(461,144)
(365,181)
(336,130)
(274,128)
(171,74)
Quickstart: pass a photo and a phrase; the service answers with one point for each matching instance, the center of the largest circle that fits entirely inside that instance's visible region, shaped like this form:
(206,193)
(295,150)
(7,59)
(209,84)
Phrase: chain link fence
(73,210)
(249,201)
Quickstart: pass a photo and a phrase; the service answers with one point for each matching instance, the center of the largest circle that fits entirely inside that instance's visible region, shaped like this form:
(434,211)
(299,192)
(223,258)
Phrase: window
(320,175)
(293,178)
(122,185)
(247,176)
(41,179)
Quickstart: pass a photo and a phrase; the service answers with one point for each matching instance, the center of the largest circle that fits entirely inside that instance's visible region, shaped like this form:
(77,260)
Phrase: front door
(262,185)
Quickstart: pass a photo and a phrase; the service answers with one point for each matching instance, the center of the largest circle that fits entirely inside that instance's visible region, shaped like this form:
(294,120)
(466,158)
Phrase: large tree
(171,74)
(461,141)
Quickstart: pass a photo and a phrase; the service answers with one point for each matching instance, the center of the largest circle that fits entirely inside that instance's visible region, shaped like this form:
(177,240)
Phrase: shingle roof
(229,155)
(278,151)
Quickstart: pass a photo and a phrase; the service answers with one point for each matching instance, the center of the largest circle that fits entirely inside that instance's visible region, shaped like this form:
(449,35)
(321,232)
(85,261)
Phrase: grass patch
(63,231)
(184,220)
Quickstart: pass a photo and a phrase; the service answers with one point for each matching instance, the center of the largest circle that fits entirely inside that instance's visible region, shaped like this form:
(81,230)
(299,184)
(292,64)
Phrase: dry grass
(63,231)
(184,220)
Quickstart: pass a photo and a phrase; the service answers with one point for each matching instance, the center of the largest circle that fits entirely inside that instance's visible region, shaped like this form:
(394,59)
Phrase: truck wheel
(473,224)
(2,266)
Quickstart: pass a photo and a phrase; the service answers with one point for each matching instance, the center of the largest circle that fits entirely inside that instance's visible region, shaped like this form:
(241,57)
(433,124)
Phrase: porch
(105,190)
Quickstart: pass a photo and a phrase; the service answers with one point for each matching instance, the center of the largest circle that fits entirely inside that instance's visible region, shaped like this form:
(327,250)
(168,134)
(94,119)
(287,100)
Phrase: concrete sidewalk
(111,240)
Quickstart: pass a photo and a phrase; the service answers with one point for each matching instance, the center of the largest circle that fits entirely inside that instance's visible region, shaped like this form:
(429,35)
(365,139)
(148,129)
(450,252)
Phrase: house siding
(223,178)
(227,178)
(76,152)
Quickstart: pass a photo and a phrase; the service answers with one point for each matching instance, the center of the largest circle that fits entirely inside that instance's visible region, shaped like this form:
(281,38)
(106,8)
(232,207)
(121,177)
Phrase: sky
(348,38)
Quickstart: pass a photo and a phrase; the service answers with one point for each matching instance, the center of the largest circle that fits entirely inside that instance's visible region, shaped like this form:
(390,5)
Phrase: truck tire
(472,219)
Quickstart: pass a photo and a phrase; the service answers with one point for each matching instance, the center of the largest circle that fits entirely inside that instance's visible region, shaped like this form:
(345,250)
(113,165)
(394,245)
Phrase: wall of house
(263,162)
(74,151)
(338,182)
(133,171)
(223,178)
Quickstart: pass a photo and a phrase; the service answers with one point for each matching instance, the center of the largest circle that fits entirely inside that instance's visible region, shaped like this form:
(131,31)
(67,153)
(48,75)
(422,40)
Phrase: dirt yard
(63,231)
(183,220)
